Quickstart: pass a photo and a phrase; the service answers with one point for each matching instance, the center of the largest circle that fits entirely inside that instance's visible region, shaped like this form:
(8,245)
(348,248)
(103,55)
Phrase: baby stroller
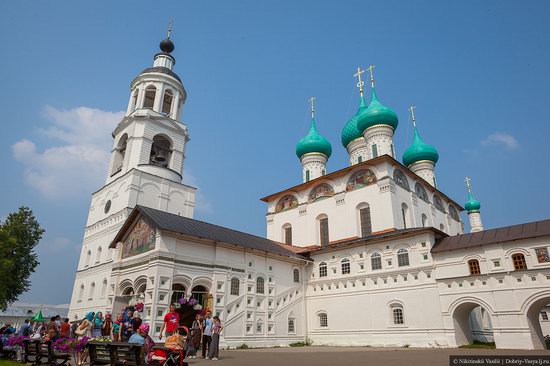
(173,352)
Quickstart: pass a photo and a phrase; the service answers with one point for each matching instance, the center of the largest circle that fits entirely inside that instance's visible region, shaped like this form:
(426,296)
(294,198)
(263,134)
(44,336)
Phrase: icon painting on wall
(286,203)
(321,191)
(360,179)
(140,240)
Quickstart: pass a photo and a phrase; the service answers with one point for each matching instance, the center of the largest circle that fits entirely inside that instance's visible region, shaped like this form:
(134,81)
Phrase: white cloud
(59,244)
(202,204)
(500,138)
(78,165)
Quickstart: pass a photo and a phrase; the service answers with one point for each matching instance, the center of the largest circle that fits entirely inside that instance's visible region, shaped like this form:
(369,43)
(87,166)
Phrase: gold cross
(170,22)
(360,83)
(468,184)
(312,101)
(370,68)
(411,109)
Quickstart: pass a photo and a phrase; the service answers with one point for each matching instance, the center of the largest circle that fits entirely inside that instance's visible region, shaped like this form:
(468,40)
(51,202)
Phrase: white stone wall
(315,164)
(385,199)
(382,136)
(424,169)
(358,149)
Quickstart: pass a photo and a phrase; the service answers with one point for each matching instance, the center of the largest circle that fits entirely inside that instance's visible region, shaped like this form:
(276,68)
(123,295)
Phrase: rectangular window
(544,315)
(404,213)
(346,268)
(376,262)
(291,325)
(288,235)
(374,151)
(474,267)
(307,175)
(323,224)
(366,225)
(259,327)
(360,159)
(398,316)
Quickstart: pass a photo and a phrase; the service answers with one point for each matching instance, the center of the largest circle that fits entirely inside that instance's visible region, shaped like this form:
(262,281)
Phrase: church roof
(161,70)
(493,236)
(183,225)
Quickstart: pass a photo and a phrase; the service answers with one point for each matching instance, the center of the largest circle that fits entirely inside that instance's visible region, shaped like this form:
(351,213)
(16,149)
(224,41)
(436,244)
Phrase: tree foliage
(20,233)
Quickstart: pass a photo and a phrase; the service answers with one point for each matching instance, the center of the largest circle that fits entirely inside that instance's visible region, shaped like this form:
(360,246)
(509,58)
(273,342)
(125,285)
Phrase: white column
(158,98)
(475,221)
(174,106)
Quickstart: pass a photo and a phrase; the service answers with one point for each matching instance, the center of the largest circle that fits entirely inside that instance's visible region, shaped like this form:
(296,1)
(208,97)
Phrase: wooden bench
(115,354)
(99,353)
(7,353)
(31,351)
(47,355)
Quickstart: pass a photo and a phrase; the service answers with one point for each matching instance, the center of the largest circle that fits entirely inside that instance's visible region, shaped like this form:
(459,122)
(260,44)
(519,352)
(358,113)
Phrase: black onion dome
(166,45)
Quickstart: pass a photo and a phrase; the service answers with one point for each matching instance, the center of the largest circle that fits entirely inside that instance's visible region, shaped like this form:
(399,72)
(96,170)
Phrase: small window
(323,320)
(544,315)
(360,159)
(235,284)
(424,220)
(323,231)
(288,235)
(307,176)
(167,102)
(260,286)
(365,218)
(397,313)
(473,265)
(323,269)
(374,151)
(346,268)
(402,258)
(259,327)
(519,262)
(149,99)
(291,328)
(296,275)
(404,213)
(376,261)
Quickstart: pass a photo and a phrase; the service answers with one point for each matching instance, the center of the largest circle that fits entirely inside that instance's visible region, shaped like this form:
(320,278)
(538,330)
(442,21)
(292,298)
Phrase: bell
(159,157)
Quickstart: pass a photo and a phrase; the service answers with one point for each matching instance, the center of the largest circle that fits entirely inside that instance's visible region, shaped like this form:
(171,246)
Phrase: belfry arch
(472,320)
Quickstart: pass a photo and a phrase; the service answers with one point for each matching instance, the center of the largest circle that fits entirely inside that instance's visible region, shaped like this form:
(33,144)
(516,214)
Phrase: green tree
(20,233)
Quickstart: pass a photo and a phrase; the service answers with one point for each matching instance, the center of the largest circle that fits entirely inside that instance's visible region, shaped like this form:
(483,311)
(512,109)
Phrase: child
(213,350)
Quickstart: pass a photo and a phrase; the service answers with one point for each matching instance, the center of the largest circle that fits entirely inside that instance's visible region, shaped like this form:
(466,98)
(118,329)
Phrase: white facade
(358,151)
(314,165)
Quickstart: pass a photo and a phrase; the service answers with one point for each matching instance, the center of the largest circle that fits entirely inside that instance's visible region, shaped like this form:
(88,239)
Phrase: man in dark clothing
(25,329)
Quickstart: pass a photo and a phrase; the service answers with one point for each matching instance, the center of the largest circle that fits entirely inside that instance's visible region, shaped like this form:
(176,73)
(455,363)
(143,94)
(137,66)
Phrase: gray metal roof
(502,234)
(21,309)
(162,70)
(200,229)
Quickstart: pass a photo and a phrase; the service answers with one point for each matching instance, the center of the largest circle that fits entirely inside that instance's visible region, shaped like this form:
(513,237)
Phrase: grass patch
(479,345)
(242,346)
(306,343)
(9,363)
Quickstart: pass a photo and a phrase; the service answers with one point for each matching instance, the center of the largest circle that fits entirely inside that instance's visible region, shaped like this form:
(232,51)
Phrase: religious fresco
(360,179)
(140,240)
(286,203)
(438,203)
(454,213)
(542,255)
(321,191)
(421,192)
(401,180)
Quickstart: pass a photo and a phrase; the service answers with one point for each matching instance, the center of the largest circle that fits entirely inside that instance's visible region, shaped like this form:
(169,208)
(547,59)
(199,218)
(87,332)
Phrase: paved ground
(349,356)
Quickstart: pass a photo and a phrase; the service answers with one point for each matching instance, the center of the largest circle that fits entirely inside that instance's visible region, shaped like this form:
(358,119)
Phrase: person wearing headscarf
(97,324)
(84,330)
(142,338)
(107,326)
(118,328)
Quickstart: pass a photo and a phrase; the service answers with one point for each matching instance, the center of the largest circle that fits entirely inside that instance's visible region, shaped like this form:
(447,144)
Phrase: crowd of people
(128,327)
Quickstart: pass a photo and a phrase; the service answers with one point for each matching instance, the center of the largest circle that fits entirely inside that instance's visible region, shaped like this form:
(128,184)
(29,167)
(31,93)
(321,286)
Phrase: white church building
(372,254)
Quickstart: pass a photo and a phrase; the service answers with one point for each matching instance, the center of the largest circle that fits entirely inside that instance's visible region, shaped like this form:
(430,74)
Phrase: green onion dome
(472,205)
(419,150)
(350,131)
(313,142)
(377,114)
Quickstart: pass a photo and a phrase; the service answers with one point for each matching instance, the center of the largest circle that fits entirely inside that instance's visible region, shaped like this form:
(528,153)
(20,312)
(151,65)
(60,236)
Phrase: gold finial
(370,68)
(170,22)
(360,83)
(312,101)
(411,109)
(468,184)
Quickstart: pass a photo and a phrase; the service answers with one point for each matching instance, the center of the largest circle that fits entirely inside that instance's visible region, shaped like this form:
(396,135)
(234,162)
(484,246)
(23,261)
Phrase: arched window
(92,290)
(397,314)
(296,274)
(401,180)
(98,255)
(287,234)
(291,325)
(424,220)
(88,257)
(453,213)
(323,320)
(81,293)
(519,262)
(365,220)
(260,285)
(178,291)
(421,192)
(375,261)
(438,203)
(346,266)
(149,98)
(323,269)
(374,151)
(104,288)
(404,214)
(161,151)
(402,258)
(119,154)
(473,265)
(199,293)
(167,102)
(235,286)
(323,230)
(259,326)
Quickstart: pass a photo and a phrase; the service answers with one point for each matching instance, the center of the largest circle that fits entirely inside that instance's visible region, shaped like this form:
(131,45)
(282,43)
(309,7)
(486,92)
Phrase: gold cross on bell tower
(360,82)
(312,101)
(411,109)
(468,184)
(370,68)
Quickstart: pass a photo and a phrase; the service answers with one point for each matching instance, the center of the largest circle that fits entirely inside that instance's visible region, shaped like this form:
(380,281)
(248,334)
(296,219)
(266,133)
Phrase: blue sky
(476,71)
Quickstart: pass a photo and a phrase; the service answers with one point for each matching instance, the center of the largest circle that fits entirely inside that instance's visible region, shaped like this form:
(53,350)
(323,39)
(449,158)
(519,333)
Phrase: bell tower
(146,168)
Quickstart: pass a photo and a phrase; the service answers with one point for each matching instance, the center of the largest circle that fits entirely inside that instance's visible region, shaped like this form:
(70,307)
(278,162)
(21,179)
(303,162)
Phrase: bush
(478,344)
(243,346)
(307,342)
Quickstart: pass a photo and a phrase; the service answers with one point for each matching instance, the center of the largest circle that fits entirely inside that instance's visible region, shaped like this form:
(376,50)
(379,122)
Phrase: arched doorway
(472,323)
(537,312)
